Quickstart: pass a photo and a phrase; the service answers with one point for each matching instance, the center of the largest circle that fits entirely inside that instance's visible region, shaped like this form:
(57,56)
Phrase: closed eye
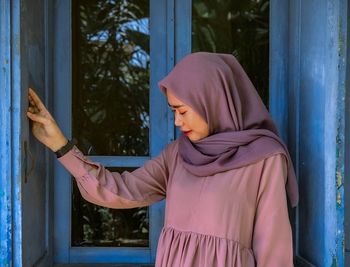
(181,113)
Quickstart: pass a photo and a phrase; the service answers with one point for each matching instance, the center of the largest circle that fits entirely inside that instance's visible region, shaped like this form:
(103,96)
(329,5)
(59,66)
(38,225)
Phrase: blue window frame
(161,133)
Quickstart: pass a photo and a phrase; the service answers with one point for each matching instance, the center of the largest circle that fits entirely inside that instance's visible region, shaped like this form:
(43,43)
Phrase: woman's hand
(44,127)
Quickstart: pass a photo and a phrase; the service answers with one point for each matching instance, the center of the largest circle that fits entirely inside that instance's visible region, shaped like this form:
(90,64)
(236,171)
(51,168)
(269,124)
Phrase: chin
(192,139)
(195,138)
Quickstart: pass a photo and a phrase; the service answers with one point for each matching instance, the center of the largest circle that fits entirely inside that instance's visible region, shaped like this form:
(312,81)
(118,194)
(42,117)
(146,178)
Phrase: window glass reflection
(111,77)
(97,226)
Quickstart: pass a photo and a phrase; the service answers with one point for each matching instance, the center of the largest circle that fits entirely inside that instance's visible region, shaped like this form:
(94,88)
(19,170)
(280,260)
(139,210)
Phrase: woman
(224,179)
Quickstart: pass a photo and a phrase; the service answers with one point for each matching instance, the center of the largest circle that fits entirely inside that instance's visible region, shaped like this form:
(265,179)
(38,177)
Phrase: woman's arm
(141,187)
(272,237)
(138,188)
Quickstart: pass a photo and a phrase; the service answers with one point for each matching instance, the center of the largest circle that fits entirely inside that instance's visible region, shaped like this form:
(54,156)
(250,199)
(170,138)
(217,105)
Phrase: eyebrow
(175,106)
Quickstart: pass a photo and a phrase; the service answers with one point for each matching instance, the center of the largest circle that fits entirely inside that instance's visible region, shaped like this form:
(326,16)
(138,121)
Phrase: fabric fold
(189,249)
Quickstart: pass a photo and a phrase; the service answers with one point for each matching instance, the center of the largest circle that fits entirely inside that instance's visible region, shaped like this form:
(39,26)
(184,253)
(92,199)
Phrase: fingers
(35,101)
(31,101)
(33,109)
(37,118)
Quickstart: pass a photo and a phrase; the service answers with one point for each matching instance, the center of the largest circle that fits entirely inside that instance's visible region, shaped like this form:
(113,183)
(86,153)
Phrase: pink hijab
(241,130)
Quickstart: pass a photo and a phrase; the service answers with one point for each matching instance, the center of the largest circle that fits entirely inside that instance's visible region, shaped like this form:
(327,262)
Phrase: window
(110,109)
(108,58)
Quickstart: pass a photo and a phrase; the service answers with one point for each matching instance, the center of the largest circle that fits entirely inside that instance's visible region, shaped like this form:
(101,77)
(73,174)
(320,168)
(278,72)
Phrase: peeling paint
(334,261)
(338,256)
(339,155)
(6,237)
(339,179)
(338,198)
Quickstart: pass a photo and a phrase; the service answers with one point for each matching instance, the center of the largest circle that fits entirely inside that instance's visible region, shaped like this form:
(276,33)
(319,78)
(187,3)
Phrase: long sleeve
(141,187)
(272,237)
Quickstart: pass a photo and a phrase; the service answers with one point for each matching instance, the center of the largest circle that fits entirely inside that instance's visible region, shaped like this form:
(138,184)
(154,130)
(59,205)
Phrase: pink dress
(237,218)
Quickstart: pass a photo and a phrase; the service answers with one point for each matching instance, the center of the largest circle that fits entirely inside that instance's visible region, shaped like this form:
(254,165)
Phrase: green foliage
(111,77)
(110,108)
(240,28)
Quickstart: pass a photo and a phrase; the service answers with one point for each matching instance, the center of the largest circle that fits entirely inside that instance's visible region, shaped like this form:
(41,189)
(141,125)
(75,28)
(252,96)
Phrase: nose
(178,120)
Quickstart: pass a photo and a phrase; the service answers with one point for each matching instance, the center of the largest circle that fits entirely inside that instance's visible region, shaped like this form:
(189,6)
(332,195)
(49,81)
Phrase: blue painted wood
(109,255)
(279,65)
(294,100)
(32,173)
(183,35)
(310,68)
(183,29)
(308,64)
(26,204)
(318,111)
(5,136)
(16,156)
(47,260)
(160,57)
(159,131)
(293,79)
(342,134)
(170,35)
(62,80)
(24,189)
(347,150)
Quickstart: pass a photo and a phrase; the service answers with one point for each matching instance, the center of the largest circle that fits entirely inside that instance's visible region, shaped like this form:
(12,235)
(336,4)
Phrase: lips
(187,132)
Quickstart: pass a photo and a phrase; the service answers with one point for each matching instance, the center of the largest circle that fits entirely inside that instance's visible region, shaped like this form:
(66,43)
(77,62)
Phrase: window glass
(236,27)
(98,226)
(110,109)
(111,77)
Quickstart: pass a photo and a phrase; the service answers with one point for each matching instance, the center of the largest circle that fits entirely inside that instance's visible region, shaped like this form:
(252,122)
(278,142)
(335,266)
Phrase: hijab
(241,131)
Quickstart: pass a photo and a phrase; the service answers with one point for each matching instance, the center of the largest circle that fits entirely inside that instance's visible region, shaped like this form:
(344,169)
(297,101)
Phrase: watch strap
(66,148)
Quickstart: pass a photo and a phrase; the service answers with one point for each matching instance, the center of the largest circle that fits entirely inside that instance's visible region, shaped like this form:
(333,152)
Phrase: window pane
(111,77)
(237,27)
(97,226)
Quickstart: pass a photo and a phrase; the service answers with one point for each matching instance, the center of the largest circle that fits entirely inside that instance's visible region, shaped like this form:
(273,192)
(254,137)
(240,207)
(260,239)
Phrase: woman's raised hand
(44,127)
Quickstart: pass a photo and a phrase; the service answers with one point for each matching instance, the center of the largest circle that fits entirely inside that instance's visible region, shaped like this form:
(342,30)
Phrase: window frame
(161,133)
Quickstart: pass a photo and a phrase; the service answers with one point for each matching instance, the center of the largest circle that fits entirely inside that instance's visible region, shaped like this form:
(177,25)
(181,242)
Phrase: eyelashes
(181,113)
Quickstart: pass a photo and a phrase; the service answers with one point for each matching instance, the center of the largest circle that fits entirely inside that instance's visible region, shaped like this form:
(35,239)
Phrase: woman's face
(189,122)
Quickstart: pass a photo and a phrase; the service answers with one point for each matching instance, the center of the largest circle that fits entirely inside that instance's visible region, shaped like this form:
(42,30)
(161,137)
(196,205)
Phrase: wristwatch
(66,148)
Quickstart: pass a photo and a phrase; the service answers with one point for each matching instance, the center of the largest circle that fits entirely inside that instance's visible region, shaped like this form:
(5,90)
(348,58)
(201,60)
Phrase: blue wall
(308,52)
(24,227)
(5,136)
